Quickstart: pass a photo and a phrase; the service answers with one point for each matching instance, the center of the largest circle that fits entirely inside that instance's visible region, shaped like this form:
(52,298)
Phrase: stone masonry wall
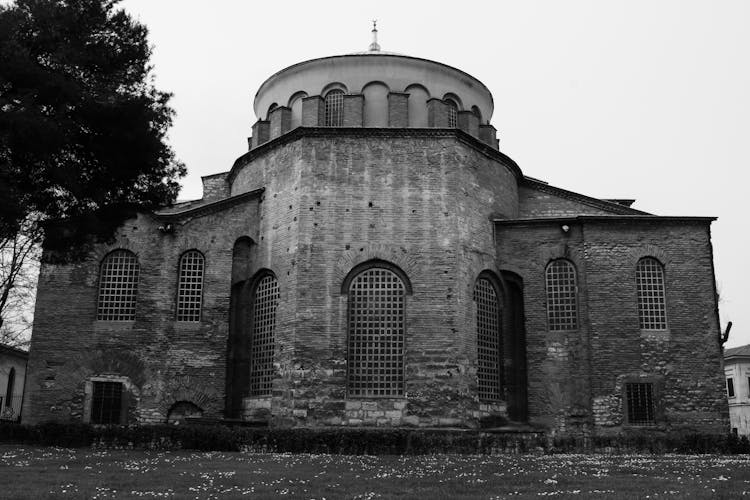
(420,203)
(161,360)
(576,379)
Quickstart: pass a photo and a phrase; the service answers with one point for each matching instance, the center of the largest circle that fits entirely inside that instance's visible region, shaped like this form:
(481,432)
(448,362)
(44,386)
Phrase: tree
(82,127)
(19,266)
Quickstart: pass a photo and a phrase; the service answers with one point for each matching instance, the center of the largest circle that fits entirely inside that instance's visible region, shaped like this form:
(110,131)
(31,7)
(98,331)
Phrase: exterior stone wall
(576,378)
(161,360)
(422,204)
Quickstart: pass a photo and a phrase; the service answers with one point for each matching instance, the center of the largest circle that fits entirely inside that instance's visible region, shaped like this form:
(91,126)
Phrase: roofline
(603,218)
(14,350)
(301,132)
(209,207)
(588,200)
(375,54)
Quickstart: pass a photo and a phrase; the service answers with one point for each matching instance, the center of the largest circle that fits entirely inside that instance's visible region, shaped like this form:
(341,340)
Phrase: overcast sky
(613,99)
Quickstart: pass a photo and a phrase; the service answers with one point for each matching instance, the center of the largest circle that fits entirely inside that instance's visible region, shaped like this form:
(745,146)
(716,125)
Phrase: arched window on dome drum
(452,113)
(190,286)
(652,309)
(334,108)
(118,287)
(489,343)
(562,303)
(262,340)
(376,334)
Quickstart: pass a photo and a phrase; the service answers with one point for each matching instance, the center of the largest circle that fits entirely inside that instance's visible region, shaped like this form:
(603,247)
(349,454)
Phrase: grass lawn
(32,472)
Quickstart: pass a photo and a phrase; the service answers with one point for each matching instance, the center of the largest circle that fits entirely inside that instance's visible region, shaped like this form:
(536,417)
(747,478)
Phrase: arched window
(452,113)
(262,341)
(334,108)
(118,287)
(652,310)
(376,334)
(190,286)
(562,305)
(489,345)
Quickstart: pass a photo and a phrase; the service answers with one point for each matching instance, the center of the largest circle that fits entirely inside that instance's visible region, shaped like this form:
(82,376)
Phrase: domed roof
(353,72)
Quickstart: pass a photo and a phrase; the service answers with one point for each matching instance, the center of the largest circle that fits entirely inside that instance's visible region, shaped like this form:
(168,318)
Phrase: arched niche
(418,96)
(295,104)
(376,104)
(182,410)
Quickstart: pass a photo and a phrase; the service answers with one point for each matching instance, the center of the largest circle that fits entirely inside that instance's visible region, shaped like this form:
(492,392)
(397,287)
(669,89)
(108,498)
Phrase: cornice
(623,219)
(580,198)
(303,132)
(208,208)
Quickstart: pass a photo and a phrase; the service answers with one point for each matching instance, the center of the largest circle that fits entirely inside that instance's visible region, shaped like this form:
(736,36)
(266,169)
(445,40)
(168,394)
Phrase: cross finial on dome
(374,47)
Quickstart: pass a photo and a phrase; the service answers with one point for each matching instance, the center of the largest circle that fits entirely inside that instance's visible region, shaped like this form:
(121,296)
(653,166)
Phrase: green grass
(35,472)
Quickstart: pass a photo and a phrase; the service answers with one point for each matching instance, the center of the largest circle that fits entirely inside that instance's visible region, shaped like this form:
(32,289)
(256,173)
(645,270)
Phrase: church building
(375,260)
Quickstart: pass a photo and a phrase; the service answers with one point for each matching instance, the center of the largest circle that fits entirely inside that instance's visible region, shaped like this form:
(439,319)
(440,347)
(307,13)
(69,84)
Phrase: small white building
(12,377)
(737,370)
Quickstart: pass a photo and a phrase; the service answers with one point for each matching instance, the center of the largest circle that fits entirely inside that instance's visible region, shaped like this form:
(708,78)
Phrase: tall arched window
(190,286)
(376,334)
(118,287)
(262,340)
(652,309)
(562,304)
(489,344)
(334,108)
(452,113)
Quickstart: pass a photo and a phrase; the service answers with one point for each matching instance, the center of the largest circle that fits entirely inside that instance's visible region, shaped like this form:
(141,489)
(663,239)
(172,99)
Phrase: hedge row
(367,441)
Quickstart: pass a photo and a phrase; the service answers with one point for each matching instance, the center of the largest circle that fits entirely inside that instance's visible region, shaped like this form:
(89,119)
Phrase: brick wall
(576,378)
(166,361)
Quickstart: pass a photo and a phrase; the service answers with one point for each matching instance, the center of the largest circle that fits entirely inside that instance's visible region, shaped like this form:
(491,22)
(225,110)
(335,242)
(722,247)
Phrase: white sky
(613,99)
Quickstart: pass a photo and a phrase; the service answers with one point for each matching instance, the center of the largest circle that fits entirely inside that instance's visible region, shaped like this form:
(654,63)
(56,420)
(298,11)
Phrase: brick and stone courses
(685,358)
(569,381)
(166,361)
(533,203)
(422,208)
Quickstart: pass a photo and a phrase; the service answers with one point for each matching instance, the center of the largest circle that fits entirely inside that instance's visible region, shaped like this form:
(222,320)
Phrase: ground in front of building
(35,472)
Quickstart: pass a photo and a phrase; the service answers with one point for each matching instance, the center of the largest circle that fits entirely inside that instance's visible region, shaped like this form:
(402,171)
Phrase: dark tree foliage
(82,128)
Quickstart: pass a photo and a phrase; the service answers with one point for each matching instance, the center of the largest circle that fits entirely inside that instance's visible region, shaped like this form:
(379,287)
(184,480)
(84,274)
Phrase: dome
(375,75)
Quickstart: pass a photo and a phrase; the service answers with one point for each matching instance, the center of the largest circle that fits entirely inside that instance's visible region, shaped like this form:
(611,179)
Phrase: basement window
(106,403)
(639,400)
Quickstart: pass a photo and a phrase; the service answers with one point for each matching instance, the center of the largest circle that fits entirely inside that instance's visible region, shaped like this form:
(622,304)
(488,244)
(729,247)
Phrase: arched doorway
(516,378)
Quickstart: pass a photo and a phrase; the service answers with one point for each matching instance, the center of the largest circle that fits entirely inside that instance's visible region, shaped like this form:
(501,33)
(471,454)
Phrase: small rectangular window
(640,403)
(106,403)
(730,387)
(748,387)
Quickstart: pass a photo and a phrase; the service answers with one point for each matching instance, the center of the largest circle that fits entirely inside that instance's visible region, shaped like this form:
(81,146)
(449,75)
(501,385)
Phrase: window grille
(265,301)
(488,341)
(640,403)
(452,114)
(562,307)
(106,403)
(730,387)
(118,287)
(335,108)
(190,286)
(652,310)
(376,334)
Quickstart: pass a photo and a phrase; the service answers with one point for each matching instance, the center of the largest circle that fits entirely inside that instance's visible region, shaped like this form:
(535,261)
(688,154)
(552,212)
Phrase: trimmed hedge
(360,441)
